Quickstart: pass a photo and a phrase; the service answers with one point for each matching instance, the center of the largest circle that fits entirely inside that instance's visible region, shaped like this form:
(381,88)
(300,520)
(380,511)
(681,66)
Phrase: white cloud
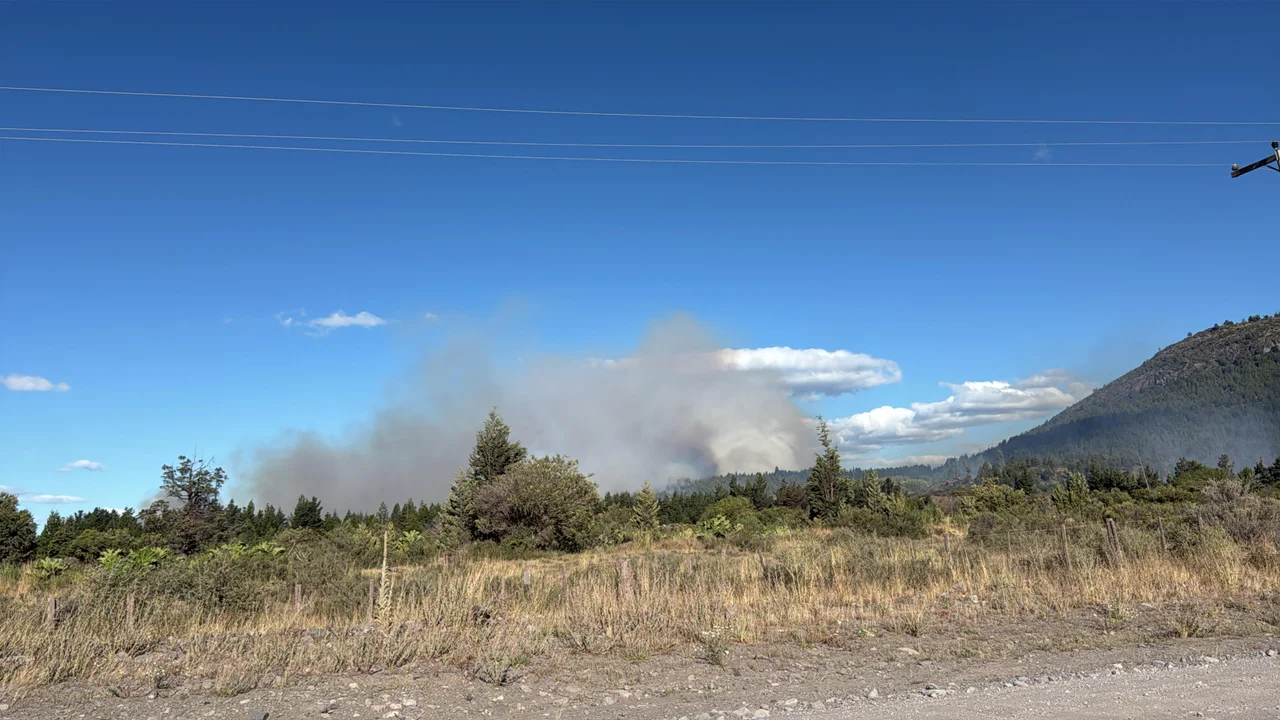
(430,317)
(814,371)
(970,404)
(1043,154)
(52,499)
(808,372)
(289,318)
(82,465)
(31,383)
(873,429)
(40,498)
(341,320)
(334,321)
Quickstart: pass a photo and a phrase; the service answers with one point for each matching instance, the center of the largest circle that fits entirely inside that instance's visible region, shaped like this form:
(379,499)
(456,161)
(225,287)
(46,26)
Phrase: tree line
(506,499)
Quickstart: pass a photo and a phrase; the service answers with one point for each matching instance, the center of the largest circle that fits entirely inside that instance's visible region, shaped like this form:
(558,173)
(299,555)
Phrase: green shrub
(990,497)
(890,522)
(738,511)
(546,503)
(717,526)
(785,517)
(1243,515)
(48,568)
(611,527)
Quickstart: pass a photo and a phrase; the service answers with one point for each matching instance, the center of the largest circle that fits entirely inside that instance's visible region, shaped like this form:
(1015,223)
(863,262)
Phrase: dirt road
(1222,678)
(1245,688)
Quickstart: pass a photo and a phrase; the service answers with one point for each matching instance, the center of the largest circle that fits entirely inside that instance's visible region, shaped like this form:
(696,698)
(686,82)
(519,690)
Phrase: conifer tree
(827,487)
(644,512)
(494,451)
(493,454)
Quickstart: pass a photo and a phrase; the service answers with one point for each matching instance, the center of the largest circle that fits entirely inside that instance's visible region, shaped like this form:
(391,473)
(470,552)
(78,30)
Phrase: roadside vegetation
(526,559)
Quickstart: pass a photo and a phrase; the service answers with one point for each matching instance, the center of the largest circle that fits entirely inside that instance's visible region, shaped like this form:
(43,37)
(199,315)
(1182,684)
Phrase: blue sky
(152,280)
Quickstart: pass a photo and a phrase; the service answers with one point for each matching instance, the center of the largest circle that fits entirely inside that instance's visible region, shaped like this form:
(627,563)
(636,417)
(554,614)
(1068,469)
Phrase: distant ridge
(1216,391)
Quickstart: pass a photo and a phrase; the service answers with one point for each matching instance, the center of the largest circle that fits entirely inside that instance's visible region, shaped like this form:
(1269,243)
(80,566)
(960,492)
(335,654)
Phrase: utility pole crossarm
(1237,171)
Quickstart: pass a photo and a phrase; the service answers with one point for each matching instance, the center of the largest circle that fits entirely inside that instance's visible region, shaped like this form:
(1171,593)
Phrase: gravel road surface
(1245,688)
(1179,680)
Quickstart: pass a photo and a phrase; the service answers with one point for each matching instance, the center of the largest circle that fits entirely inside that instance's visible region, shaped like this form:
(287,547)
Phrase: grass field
(237,629)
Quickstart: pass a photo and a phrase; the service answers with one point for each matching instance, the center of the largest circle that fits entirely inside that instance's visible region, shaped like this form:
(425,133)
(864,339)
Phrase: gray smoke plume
(669,410)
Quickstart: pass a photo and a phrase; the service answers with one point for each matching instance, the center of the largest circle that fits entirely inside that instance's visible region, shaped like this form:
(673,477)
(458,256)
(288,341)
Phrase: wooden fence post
(528,580)
(297,597)
(51,612)
(372,594)
(128,611)
(1164,542)
(1066,547)
(625,590)
(1113,536)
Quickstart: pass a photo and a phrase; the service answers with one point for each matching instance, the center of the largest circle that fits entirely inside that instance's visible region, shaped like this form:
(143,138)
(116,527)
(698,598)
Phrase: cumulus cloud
(970,404)
(51,499)
(31,498)
(31,383)
(333,321)
(806,372)
(814,371)
(82,465)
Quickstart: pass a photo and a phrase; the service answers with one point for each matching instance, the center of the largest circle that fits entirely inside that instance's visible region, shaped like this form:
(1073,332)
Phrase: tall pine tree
(644,511)
(493,454)
(827,488)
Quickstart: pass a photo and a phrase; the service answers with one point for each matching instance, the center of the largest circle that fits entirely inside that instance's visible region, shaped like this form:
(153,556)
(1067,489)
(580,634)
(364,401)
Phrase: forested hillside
(1215,392)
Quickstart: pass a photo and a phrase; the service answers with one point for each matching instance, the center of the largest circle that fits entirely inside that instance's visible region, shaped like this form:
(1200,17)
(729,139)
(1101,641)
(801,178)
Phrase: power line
(330,138)
(595,113)
(683,161)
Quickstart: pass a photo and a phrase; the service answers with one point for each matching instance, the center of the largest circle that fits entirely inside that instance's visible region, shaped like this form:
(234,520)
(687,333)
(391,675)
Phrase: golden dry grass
(673,595)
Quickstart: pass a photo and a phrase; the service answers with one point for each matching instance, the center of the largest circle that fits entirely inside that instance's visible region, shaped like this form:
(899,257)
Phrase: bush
(990,497)
(891,522)
(17,531)
(787,517)
(613,526)
(1244,516)
(738,511)
(544,503)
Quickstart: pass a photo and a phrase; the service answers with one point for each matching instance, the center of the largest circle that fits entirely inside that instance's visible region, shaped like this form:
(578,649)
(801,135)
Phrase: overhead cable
(684,161)
(597,113)
(670,146)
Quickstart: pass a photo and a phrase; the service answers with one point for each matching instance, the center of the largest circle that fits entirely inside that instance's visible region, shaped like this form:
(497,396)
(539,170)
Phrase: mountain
(1215,392)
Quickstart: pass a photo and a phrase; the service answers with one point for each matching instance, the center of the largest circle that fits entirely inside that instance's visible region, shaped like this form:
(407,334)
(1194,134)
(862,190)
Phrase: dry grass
(478,615)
